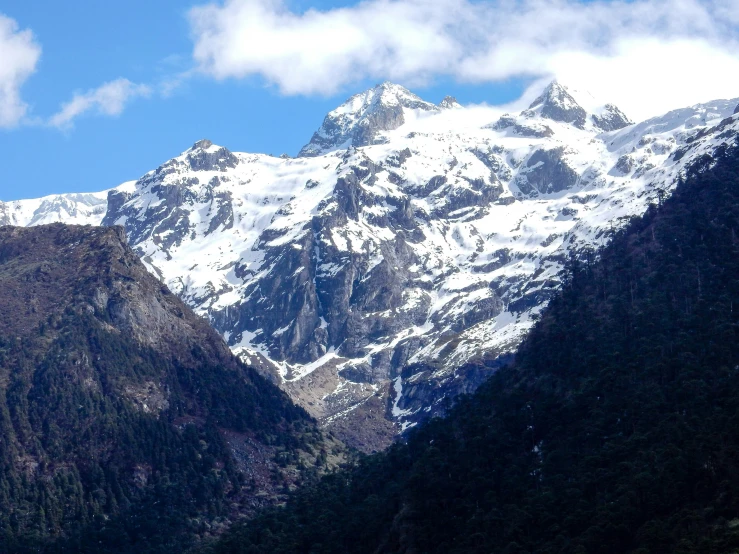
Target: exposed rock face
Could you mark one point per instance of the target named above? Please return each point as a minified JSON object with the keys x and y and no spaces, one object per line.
{"x":335,"y":274}
{"x":113,"y":389}
{"x":170,"y":216}
{"x":449,"y":103}
{"x":547,"y":172}
{"x":557,"y":104}
{"x":611,"y":119}
{"x":360,"y":121}
{"x":522,"y":129}
{"x":204,"y":156}
{"x":625,"y":164}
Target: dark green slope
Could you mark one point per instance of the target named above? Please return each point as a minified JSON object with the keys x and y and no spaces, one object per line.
{"x":126,"y":425}
{"x":617,"y":429}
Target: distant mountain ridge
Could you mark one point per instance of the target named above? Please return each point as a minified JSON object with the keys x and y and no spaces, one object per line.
{"x":405,"y":241}
{"x":84,"y":208}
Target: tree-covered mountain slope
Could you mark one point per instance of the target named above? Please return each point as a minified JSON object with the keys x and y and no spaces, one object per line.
{"x":615,"y":431}
{"x":126,"y":424}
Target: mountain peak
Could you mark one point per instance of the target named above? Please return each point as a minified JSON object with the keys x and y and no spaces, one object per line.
{"x":381,"y":95}
{"x":206,"y":156}
{"x":360,"y":120}
{"x":564,"y":104}
{"x":611,"y":118}
{"x":557,"y":104}
{"x":202,"y":144}
{"x":553,"y":92}
{"x":449,"y":103}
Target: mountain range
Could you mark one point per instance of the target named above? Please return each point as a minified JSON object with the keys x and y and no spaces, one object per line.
{"x":409,"y":247}
{"x":612,"y":432}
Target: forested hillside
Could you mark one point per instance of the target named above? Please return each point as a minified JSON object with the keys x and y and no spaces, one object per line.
{"x":126,"y":424}
{"x":615,"y":431}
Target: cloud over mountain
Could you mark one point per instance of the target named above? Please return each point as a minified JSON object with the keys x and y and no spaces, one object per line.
{"x":602,"y":46}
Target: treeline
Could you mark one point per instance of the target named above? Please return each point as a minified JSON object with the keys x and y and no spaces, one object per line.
{"x":615,"y":431}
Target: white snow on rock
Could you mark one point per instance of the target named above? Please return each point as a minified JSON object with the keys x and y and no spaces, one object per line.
{"x":406,"y":240}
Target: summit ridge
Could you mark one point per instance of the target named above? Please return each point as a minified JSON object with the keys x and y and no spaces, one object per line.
{"x":362,"y":118}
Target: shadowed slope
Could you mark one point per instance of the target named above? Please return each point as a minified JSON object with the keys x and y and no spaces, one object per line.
{"x":126,"y":424}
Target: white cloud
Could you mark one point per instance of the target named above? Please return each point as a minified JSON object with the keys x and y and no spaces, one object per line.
{"x":648,"y":77}
{"x":108,"y":99}
{"x":19,"y":54}
{"x":320,"y":52}
{"x":647,"y":55}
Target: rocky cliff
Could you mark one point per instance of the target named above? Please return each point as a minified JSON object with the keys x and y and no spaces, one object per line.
{"x":364,"y":275}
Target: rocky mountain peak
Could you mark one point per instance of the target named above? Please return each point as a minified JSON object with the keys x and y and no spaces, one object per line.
{"x":362,"y":118}
{"x":206,"y":156}
{"x":449,"y":103}
{"x":382,"y":96}
{"x":578,"y":108}
{"x":736,"y":110}
{"x":610,"y":118}
{"x":557,"y":104}
{"x":203,"y":143}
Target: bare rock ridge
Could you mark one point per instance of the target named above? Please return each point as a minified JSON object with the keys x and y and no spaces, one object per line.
{"x":204,"y":156}
{"x":374,"y":278}
{"x":112,"y":390}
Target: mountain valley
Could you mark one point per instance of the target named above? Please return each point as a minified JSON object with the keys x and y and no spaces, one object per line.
{"x":402,"y":257}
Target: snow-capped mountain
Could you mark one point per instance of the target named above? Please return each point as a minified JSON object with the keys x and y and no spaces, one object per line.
{"x":88,"y":208}
{"x":405,"y":241}
{"x":362,"y":119}
{"x":577,"y":108}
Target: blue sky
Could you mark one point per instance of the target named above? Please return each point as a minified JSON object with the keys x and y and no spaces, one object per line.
{"x":88,"y":42}
{"x":259,"y":75}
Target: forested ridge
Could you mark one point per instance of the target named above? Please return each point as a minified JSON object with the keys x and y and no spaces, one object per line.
{"x":126,"y":425}
{"x":616,"y":430}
